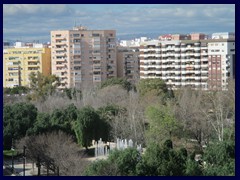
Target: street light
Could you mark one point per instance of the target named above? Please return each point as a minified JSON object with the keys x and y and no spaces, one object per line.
{"x":24,"y":159}
{"x":12,"y":149}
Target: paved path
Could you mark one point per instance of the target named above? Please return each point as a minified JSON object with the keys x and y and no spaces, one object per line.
{"x":18,"y":167}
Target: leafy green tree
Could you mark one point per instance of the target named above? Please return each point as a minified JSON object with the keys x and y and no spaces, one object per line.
{"x":17,"y":119}
{"x":41,"y":85}
{"x":162,"y":123}
{"x":122,"y":163}
{"x":193,"y":168}
{"x":102,"y":167}
{"x":117,"y":81}
{"x":89,"y":126}
{"x":59,"y":119}
{"x":41,"y":125}
{"x":155,"y":86}
{"x":162,"y":161}
{"x":16,"y":90}
{"x":220,"y":159}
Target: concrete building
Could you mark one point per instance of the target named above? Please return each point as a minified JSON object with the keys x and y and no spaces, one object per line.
{"x":194,"y":63}
{"x":135,"y":43}
{"x":128,"y":63}
{"x":19,"y":62}
{"x":82,"y":56}
{"x":221,"y":61}
{"x":223,"y":35}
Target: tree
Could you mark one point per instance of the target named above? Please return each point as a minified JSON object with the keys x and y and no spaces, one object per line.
{"x":156,"y":86}
{"x":220,"y":159}
{"x":16,"y":90}
{"x":17,"y":119}
{"x":73,"y":93}
{"x":41,"y":85}
{"x":219,"y":110}
{"x":119,"y":163}
{"x":55,"y":150}
{"x":162,"y":123}
{"x":59,"y":119}
{"x":89,"y":126}
{"x":188,"y":112}
{"x":41,"y":125}
{"x":162,"y":161}
{"x":117,"y":81}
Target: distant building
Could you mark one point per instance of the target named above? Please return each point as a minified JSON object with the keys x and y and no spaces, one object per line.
{"x":20,"y":61}
{"x":128,"y":63}
{"x":223,"y":35}
{"x":200,"y":63}
{"x":81,"y":56}
{"x":133,"y":43}
{"x":193,"y":36}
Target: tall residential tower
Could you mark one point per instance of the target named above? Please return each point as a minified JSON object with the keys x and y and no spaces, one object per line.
{"x":82,"y":56}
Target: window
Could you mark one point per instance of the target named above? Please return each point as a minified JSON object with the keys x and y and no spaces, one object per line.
{"x":76,"y":35}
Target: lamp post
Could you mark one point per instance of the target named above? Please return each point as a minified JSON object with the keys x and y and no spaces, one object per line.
{"x":24,"y":159}
{"x":12,"y":149}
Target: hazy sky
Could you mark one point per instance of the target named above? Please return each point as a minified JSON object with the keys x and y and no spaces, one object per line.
{"x":30,"y":22}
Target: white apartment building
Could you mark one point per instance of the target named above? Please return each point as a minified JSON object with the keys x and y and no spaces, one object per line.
{"x":182,"y":63}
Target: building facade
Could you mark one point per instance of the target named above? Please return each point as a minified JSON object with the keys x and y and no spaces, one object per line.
{"x":82,"y":56}
{"x":128,"y":63}
{"x":193,"y":63}
{"x":19,"y":62}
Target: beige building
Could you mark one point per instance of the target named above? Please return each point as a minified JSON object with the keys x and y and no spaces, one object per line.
{"x":82,"y":56}
{"x":20,"y":61}
{"x":128,"y":63}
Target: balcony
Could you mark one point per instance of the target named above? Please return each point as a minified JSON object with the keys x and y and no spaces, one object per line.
{"x":204,"y":65}
{"x":197,"y":48}
{"x":60,"y":42}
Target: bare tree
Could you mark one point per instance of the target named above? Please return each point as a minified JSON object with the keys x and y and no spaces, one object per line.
{"x":220,"y":111}
{"x":56,"y":151}
{"x":188,"y":111}
{"x":130,"y":124}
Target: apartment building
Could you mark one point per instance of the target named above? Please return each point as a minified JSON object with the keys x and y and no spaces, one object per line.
{"x":128,"y":63}
{"x":193,"y":63}
{"x":81,"y":56}
{"x":20,"y":61}
{"x":221,"y":61}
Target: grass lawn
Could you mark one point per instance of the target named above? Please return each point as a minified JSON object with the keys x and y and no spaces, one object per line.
{"x":8,"y":153}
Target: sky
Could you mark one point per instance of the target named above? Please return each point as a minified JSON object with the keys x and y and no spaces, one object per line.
{"x":29,"y":22}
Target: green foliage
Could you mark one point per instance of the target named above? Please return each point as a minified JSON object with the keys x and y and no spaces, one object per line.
{"x":126,"y":161}
{"x":89,"y":126}
{"x":117,"y":81}
{"x":162,"y":161}
{"x":101,"y":168}
{"x":17,"y":119}
{"x":110,"y":111}
{"x":220,"y":159}
{"x":16,"y":90}
{"x":121,"y":163}
{"x":60,"y":119}
{"x":155,"y":86}
{"x":162,"y":123}
{"x":41,"y":85}
{"x":193,"y":168}
{"x":41,"y":125}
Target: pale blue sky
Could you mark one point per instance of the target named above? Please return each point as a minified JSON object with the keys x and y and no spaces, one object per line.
{"x":35,"y":21}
